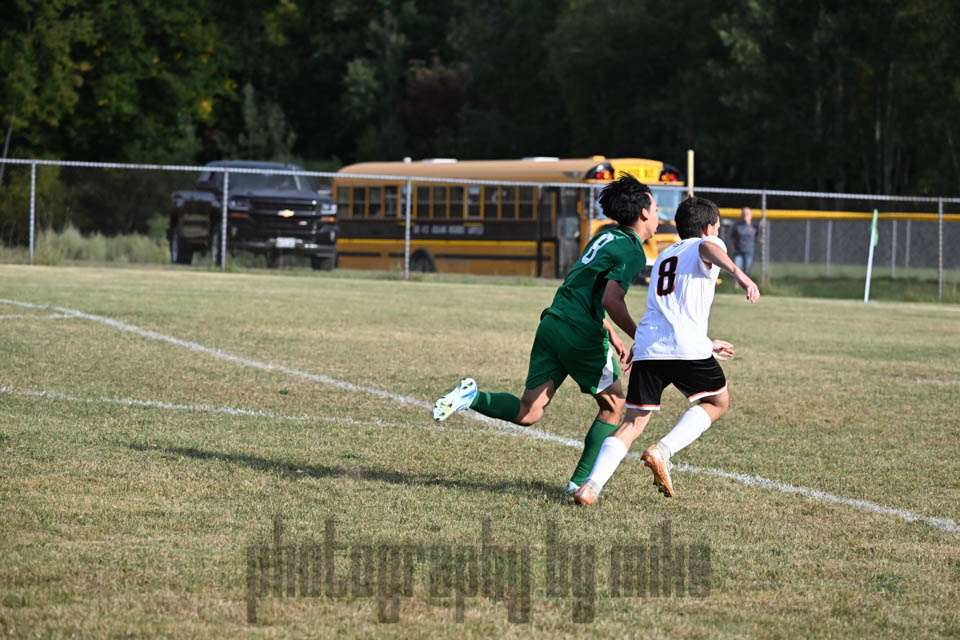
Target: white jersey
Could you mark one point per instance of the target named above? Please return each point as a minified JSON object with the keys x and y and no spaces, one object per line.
{"x":674,"y":326}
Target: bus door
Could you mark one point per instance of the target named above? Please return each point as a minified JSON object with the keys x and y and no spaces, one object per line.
{"x":568,"y":229}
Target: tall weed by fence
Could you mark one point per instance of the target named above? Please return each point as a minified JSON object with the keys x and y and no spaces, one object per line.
{"x":69,"y":245}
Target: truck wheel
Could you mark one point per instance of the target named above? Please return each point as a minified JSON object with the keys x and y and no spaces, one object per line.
{"x":180,"y":251}
{"x":324,"y":263}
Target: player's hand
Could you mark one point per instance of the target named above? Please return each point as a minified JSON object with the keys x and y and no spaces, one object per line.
{"x":722,"y":350}
{"x":753,"y":291}
{"x":618,"y":346}
{"x":628,"y":364}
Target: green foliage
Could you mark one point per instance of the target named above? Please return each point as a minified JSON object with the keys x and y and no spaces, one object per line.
{"x":513,"y":105}
{"x":855,"y":96}
{"x":50,"y":203}
{"x":434,"y":97}
{"x":620,"y":71}
{"x":41,"y":76}
{"x":849,"y":90}
{"x":266,"y":134}
{"x":118,"y":201}
{"x":156,"y":71}
{"x":69,"y":245}
{"x":157,"y":227}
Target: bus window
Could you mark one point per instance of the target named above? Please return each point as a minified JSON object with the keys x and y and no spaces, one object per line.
{"x":375,"y":208}
{"x":456,"y":202}
{"x":491,"y":202}
{"x":508,"y":207}
{"x":440,"y":202}
{"x":598,"y":211}
{"x":667,"y":202}
{"x":474,"y":200}
{"x":525,"y":201}
{"x":423,"y":202}
{"x":359,"y":202}
{"x":390,"y":202}
{"x":343,"y":201}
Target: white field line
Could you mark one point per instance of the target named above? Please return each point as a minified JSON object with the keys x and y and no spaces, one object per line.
{"x":133,"y":402}
{"x":27,"y":316}
{"x":935,"y":381}
{"x":945,"y":524}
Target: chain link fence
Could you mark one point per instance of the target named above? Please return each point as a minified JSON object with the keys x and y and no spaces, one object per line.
{"x":828,"y":236}
{"x":126,"y":210}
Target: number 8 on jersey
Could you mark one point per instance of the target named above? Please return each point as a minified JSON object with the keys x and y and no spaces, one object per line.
{"x":667,"y":276}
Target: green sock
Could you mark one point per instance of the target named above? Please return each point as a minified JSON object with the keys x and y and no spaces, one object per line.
{"x":496,"y":405}
{"x":599,"y":431}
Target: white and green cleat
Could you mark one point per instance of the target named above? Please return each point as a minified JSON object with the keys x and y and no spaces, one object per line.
{"x":457,"y":400}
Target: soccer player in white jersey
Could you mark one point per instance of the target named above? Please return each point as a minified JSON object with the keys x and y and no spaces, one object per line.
{"x":671,"y":346}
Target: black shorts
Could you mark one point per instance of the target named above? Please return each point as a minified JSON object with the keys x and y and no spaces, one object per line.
{"x":694,"y":378}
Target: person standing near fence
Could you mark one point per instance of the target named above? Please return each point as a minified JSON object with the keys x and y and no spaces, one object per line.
{"x":744,"y":238}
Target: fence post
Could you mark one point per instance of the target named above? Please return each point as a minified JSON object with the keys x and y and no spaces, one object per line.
{"x":806,"y":244}
{"x":940,"y":250}
{"x":406,"y":231}
{"x":33,"y":207}
{"x":829,"y":244}
{"x":223,"y":221}
{"x":765,"y":246}
{"x":906,"y":249}
{"x":893,"y":251}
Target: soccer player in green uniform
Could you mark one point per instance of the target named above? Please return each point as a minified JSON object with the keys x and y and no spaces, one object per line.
{"x":575,"y":337}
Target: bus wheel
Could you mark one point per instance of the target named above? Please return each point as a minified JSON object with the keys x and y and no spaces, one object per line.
{"x":324,"y":263}
{"x":422,"y":262}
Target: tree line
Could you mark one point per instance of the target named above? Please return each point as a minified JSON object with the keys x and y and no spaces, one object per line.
{"x":856,"y":95}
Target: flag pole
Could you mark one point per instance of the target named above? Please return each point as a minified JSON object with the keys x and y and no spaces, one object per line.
{"x":874,"y":236}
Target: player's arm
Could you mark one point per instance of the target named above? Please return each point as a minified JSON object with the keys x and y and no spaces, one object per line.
{"x":713,"y":254}
{"x":615,"y":341}
{"x":616,"y":306}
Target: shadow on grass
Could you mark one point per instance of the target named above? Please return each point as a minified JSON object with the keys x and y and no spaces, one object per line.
{"x":533,"y":489}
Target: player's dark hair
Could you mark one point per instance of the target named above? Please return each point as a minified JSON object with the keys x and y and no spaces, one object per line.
{"x":693,"y":215}
{"x":623,"y":199}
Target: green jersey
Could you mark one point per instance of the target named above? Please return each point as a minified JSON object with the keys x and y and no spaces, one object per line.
{"x":613,"y":254}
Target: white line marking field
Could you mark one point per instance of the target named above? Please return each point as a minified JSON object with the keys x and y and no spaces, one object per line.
{"x":944,"y":524}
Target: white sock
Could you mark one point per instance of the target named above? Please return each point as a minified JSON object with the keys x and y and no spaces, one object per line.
{"x":612,"y":451}
{"x":688,"y":428}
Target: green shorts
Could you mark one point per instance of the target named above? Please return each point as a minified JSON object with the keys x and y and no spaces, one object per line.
{"x":559,"y":351}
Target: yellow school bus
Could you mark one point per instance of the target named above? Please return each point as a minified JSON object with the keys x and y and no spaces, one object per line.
{"x":531,"y":216}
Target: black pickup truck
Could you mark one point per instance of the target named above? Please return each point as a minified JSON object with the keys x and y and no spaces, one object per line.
{"x":267,"y":213}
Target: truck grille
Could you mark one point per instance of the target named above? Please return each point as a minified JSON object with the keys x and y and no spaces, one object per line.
{"x":271,"y":207}
{"x":273,"y":225}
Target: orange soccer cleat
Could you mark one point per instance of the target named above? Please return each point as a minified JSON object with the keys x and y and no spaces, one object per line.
{"x":660,"y":466}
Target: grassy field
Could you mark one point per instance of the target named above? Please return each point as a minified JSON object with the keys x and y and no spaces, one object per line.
{"x":185,"y":417}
